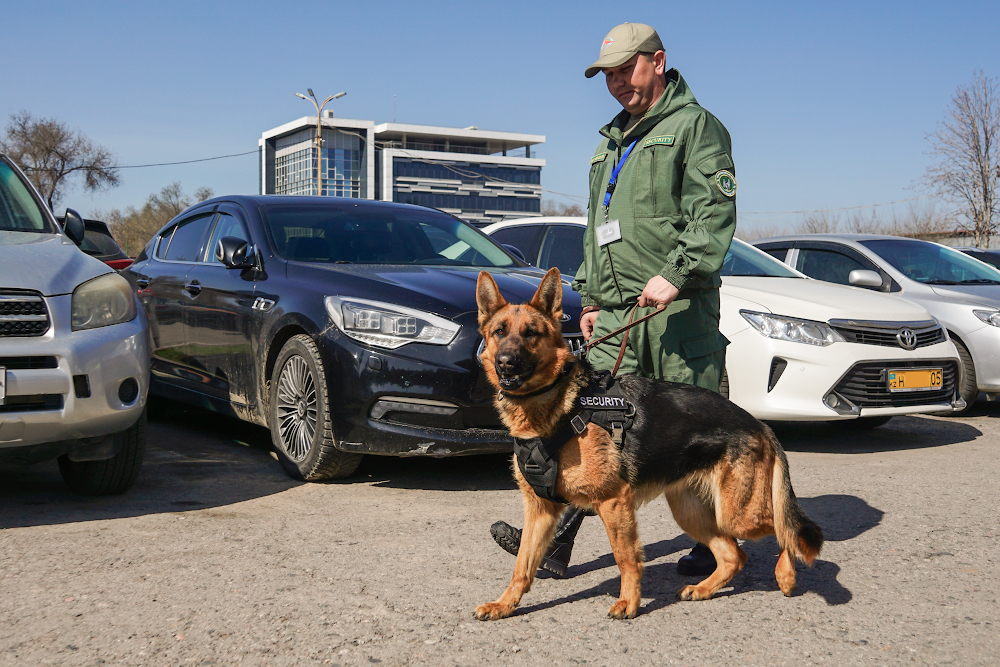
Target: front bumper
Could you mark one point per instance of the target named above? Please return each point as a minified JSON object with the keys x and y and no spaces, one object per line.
{"x":418,"y":400}
{"x":811,"y":373}
{"x":984,"y":346}
{"x":44,"y":405}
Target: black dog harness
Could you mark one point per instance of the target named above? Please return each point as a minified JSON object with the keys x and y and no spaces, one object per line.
{"x":603,"y":403}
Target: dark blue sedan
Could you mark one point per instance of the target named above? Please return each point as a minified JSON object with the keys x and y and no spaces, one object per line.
{"x":345,"y":326}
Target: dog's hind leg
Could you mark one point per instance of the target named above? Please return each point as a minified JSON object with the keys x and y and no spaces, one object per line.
{"x":540,"y":518}
{"x":618,"y":515}
{"x":696,"y":517}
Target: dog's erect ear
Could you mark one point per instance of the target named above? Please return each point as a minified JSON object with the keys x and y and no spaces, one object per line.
{"x":548,"y":297}
{"x":488,"y":297}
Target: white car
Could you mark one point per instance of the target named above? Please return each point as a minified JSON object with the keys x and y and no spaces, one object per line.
{"x":960,"y":292}
{"x":800,"y":349}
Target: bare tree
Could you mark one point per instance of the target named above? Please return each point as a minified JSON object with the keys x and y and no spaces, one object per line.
{"x":132,"y":227}
{"x":818,"y":223}
{"x":967,"y":149}
{"x":550,"y":207}
{"x":51,"y":154}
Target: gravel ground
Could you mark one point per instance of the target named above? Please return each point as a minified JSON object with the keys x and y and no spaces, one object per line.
{"x":215,"y":557}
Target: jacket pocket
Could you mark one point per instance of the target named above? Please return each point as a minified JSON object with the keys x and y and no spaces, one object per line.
{"x":704,"y":344}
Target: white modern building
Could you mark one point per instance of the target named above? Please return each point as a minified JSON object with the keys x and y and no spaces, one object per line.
{"x":482,"y":176}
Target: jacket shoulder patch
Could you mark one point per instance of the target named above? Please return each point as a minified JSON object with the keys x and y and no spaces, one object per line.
{"x":598,"y":158}
{"x":665,"y":140}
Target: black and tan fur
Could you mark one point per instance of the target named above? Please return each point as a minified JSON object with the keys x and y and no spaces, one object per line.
{"x":722,"y":472}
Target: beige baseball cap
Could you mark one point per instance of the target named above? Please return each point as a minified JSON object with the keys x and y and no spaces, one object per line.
{"x":623,"y":42}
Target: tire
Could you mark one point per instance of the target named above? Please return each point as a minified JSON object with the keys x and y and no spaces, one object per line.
{"x":724,"y":384}
{"x":969,"y":390}
{"x":110,"y":476}
{"x":864,"y":423}
{"x":299,"y":415}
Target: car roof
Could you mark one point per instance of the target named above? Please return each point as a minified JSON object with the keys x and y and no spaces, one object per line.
{"x":831,"y":237}
{"x":537,"y":220}
{"x":308,"y":200}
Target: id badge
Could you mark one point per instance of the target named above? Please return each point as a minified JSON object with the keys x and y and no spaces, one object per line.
{"x":609,"y":232}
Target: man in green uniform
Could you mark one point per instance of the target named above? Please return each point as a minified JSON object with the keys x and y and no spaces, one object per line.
{"x":661,"y":217}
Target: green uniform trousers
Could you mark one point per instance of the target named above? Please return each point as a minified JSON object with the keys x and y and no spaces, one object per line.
{"x":682,"y":344}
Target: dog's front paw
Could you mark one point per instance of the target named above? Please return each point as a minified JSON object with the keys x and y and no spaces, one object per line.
{"x":622,"y":609}
{"x":492,"y":611}
{"x":697,"y":592}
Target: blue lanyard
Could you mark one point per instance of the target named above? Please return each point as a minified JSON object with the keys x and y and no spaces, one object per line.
{"x":614,"y":175}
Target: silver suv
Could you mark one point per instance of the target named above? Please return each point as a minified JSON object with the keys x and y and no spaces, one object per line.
{"x":74,"y":349}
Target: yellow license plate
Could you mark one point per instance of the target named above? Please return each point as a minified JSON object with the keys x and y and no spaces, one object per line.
{"x":921,"y":379}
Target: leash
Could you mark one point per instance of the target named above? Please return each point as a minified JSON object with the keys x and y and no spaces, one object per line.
{"x":629,"y":325}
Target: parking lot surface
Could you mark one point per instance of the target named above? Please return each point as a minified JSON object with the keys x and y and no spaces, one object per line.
{"x":215,"y":557}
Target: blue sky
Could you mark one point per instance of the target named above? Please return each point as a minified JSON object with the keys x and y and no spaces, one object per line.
{"x":828,"y":103}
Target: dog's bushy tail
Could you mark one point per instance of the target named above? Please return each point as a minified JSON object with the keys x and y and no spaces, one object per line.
{"x":796,"y":532}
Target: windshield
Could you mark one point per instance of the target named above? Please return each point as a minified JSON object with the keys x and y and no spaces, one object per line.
{"x":745,"y":260}
{"x":374,"y":234}
{"x":19,"y":212}
{"x":932,"y":264}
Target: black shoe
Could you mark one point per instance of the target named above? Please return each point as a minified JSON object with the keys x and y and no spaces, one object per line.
{"x":699,"y":563}
{"x":556,"y":559}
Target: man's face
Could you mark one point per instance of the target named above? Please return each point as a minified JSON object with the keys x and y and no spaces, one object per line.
{"x":637,"y":83}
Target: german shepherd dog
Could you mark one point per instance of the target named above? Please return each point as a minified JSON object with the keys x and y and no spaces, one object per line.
{"x":722,"y":472}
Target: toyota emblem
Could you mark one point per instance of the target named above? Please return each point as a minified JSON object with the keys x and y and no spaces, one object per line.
{"x":907,"y":339}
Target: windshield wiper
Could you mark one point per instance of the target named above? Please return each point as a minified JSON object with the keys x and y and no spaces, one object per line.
{"x":940,"y":281}
{"x":980,"y":281}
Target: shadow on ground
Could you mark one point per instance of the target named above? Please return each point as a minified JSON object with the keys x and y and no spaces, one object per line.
{"x":194,"y":460}
{"x":900,"y":433}
{"x":842,"y":517}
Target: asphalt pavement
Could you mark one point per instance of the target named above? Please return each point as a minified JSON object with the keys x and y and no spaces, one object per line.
{"x":216,"y":557}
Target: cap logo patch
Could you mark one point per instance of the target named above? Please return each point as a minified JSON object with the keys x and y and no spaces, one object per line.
{"x":607,"y":42}
{"x":726,"y":183}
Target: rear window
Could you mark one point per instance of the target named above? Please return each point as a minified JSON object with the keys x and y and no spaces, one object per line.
{"x":372,"y":234}
{"x":96,"y":243}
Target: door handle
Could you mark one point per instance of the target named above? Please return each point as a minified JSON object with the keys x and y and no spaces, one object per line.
{"x":193,"y":288}
{"x":142,"y":282}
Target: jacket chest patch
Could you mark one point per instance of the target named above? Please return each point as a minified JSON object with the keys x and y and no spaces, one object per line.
{"x":665,"y":140}
{"x":598,"y":158}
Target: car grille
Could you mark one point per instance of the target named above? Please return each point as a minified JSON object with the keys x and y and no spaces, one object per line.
{"x":888,"y":334}
{"x":34,"y":403}
{"x":866,"y":386}
{"x":22,"y":314}
{"x":28,"y":363}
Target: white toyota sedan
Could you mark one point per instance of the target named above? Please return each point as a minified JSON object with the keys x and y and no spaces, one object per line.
{"x":800,"y":349}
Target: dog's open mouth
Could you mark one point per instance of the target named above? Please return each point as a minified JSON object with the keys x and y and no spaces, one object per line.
{"x":511,"y":381}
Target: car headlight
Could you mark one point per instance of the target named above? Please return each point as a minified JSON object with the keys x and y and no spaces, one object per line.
{"x":989,"y":316}
{"x":101,"y":302}
{"x":388,"y":325}
{"x":792,"y":329}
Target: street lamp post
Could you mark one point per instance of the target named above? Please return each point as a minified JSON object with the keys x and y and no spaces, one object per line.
{"x":319,"y":134}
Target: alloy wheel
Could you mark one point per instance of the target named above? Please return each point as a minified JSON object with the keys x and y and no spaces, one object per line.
{"x":296,"y":408}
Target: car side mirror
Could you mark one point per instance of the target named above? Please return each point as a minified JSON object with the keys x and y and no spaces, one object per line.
{"x":73,"y":226}
{"x":514,"y":251}
{"x":235,"y":253}
{"x":864,"y":278}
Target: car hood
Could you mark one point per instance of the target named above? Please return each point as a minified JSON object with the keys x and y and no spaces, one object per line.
{"x":48,"y":263}
{"x":820,"y":301}
{"x":445,"y":291}
{"x":986,"y":295}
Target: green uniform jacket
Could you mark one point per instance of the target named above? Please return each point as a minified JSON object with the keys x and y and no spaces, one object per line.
{"x":675,"y":200}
